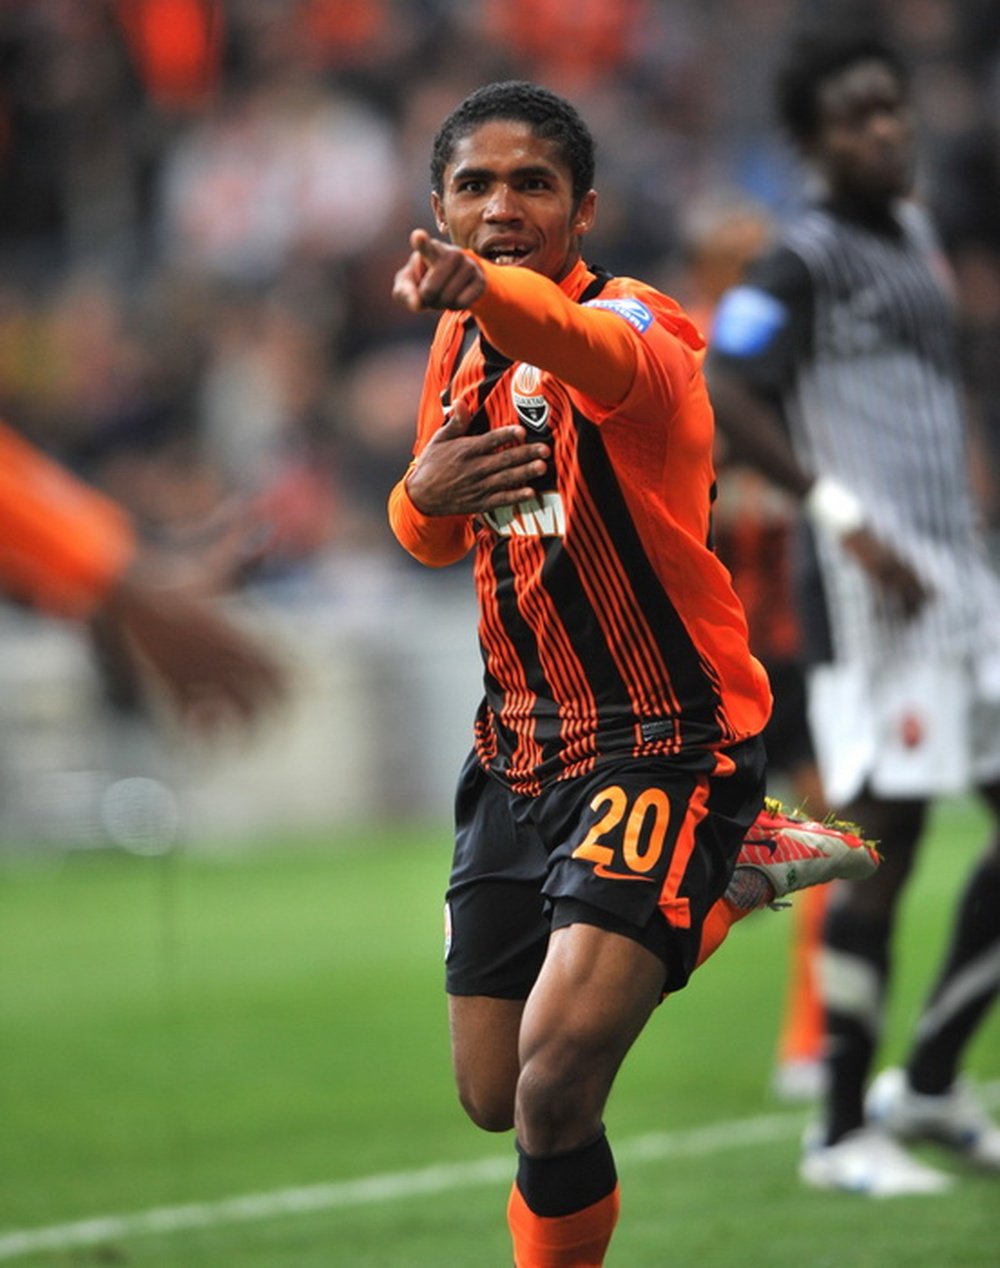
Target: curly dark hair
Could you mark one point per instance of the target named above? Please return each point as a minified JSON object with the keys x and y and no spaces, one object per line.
{"x":550,"y":116}
{"x":813,"y":58}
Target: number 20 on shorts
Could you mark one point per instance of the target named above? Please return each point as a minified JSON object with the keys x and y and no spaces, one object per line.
{"x":638,"y":829}
{"x":643,"y":823}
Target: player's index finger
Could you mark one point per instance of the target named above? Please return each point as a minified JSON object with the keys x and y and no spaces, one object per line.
{"x":422,"y":242}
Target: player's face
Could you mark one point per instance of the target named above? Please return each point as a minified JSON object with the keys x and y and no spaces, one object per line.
{"x":509,"y":197}
{"x":865,"y":139}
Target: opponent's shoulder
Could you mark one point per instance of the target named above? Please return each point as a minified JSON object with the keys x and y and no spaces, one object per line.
{"x":820,"y":240}
{"x":815,"y":229}
{"x":783,"y":271}
{"x":760,"y":318}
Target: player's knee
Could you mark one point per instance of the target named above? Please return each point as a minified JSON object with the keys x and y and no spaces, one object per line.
{"x":489,"y":1108}
{"x":560,"y":1098}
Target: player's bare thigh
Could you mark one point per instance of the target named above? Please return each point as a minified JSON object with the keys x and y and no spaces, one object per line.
{"x":484,"y":1053}
{"x":595,"y":993}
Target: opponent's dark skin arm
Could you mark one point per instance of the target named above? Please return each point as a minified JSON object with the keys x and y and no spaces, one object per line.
{"x":756,"y":436}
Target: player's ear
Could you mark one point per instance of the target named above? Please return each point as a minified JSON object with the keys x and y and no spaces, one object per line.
{"x":586,"y":212}
{"x":437,"y":206}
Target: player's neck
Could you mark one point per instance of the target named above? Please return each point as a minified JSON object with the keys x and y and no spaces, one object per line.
{"x":877,"y":214}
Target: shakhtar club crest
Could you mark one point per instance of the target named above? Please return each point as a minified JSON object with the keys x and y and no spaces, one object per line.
{"x":532,"y":407}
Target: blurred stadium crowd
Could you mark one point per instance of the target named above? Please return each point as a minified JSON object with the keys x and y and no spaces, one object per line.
{"x":202,"y":203}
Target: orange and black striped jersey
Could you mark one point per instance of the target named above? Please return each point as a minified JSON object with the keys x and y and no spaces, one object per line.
{"x":62,"y":543}
{"x":608,"y":626}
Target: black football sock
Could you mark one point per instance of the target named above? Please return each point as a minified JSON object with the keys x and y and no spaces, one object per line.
{"x":563,"y":1208}
{"x":967,"y":986}
{"x":563,"y":1183}
{"x":854,"y":973}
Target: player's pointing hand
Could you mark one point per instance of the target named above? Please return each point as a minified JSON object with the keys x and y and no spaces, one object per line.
{"x":437,"y":275}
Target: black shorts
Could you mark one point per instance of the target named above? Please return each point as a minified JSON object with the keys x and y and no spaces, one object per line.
{"x":642,"y":847}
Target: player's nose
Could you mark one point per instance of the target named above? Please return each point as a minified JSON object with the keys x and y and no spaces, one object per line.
{"x":503,"y":204}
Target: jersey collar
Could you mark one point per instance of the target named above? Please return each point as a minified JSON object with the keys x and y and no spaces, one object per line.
{"x":576,"y":280}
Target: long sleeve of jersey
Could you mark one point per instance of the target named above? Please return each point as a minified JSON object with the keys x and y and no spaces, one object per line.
{"x":528,"y":318}
{"x":593,"y":348}
{"x":62,"y":544}
{"x":436,"y":540}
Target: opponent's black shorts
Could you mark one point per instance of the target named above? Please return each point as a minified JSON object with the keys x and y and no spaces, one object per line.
{"x":787,"y":737}
{"x":642,"y":847}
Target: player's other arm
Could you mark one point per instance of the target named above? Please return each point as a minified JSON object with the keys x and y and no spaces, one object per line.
{"x":68,"y":550}
{"x":433,"y":540}
{"x":63,"y":546}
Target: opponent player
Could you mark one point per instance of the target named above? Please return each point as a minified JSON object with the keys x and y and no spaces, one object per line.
{"x":564,"y":433}
{"x":849,"y":324}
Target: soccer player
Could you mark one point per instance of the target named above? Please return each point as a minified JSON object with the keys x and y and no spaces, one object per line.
{"x":564,"y":434}
{"x":848,"y":326}
{"x":67,"y":550}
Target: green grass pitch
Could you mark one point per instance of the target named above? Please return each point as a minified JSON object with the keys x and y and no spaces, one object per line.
{"x":178,"y":1032}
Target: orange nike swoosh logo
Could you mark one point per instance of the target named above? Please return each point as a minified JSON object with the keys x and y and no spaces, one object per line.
{"x":600,"y":869}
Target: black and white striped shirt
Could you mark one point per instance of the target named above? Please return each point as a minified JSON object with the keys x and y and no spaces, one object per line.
{"x":850,"y":325}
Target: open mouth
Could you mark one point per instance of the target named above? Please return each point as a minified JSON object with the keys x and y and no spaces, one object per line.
{"x":505,"y":253}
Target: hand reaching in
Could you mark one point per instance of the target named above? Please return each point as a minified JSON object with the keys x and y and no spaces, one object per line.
{"x":891,"y":573}
{"x":211,"y":673}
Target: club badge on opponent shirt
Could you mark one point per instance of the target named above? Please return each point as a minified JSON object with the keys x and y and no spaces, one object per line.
{"x":532,"y":407}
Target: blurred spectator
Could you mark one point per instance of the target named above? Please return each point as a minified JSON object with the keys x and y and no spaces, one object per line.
{"x":376,"y":436}
{"x":177,"y":48}
{"x":275,"y":175}
{"x":569,"y":44}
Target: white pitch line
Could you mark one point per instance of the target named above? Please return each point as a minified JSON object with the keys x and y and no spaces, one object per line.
{"x":390,"y":1186}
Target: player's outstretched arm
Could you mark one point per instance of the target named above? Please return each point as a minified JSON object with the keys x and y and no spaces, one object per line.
{"x":526,"y":316}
